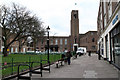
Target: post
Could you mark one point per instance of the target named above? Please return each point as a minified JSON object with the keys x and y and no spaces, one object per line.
{"x":48,"y":45}
{"x":12,"y":66}
{"x":29,"y":60}
{"x":48,"y":42}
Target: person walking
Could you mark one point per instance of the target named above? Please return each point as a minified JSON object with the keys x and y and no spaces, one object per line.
{"x":62,"y":56}
{"x":68,"y":55}
{"x":89,"y":53}
{"x":99,"y":56}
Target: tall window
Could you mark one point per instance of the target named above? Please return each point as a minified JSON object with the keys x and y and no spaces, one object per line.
{"x":93,"y":39}
{"x":41,"y":41}
{"x":101,"y":24}
{"x":109,"y":8}
{"x":65,"y":41}
{"x":56,"y":42}
{"x":51,"y":42}
{"x":60,"y":41}
{"x":104,"y":7}
{"x":93,"y":47}
{"x":104,"y":14}
{"x":105,"y":20}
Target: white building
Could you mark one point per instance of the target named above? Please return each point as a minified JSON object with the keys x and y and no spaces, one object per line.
{"x":108,"y":24}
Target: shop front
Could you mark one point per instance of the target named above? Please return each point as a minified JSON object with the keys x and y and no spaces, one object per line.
{"x":115,"y":46}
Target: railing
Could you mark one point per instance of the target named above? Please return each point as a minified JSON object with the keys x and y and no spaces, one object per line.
{"x":11,"y":62}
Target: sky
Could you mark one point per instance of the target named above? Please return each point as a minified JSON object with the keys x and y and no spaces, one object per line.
{"x":57,"y":13}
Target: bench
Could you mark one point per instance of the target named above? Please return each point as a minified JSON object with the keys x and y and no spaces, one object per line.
{"x":24,"y":77}
{"x":60,"y":62}
{"x":46,"y":67}
{"x":33,"y":71}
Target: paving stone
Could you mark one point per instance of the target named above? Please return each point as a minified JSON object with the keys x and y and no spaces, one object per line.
{"x":82,"y":67}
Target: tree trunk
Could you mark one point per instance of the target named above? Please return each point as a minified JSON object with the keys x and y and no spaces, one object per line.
{"x":34,"y":45}
{"x":5,"y":52}
{"x":19,"y":46}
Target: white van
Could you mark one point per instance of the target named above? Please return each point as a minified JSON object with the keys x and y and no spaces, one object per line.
{"x":81,"y":50}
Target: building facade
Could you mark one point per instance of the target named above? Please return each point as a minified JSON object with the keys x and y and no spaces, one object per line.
{"x":89,"y":40}
{"x":108,"y":27}
{"x":56,"y":43}
{"x":62,"y":43}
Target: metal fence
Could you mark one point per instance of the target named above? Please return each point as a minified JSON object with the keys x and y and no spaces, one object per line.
{"x":11,"y":62}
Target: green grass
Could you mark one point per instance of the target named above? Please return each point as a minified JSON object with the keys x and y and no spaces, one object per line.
{"x":15,"y":58}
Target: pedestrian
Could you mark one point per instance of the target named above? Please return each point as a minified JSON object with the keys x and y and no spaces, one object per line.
{"x":62,"y":56}
{"x":99,"y":56}
{"x":89,"y":53}
{"x":68,"y":55}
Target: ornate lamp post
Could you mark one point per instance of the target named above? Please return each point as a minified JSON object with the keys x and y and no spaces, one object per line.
{"x":48,"y":41}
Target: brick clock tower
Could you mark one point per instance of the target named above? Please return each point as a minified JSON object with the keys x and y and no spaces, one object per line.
{"x":74,"y":36}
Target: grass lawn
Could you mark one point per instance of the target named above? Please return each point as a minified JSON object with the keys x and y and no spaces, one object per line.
{"x":21,"y":58}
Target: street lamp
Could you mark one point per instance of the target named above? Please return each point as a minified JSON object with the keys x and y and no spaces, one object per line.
{"x":48,"y":41}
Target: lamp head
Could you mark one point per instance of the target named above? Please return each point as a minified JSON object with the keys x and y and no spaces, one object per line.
{"x":48,"y":28}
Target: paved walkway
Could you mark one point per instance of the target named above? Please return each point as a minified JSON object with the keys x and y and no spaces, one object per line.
{"x":82,"y":67}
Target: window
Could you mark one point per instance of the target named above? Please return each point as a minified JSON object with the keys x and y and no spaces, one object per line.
{"x":16,"y":50}
{"x":60,"y":41}
{"x":56,"y":42}
{"x":104,"y":14}
{"x":65,"y":41}
{"x":91,"y":33}
{"x":109,"y":8}
{"x":51,"y":42}
{"x":11,"y":50}
{"x":93,"y":40}
{"x":41,"y":41}
{"x":93,"y":47}
{"x":104,"y":7}
{"x":104,"y":20}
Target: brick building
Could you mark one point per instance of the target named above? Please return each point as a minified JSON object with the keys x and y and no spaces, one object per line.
{"x":57,"y":43}
{"x":62,"y":43}
{"x":108,"y":25}
{"x":89,"y":40}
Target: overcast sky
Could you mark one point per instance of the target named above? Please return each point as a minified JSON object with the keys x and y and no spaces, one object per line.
{"x":57,"y":13}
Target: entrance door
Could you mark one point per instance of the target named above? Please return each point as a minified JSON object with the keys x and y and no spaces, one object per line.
{"x":107,"y":49}
{"x":116,"y":44}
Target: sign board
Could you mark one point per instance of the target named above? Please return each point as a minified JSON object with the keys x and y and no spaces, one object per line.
{"x":7,"y":49}
{"x":115,"y":19}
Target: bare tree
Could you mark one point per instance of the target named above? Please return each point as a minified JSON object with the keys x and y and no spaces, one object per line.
{"x":37,"y":31}
{"x":17,"y":23}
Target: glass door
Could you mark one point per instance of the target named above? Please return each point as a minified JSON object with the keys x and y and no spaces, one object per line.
{"x":117,"y":49}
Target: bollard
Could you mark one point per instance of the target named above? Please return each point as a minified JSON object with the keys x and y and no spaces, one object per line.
{"x":12,"y":66}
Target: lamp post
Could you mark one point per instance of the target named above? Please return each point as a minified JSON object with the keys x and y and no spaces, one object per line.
{"x":48,"y":42}
{"x":75,"y":47}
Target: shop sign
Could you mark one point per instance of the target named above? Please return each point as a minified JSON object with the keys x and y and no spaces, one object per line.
{"x":114,"y":20}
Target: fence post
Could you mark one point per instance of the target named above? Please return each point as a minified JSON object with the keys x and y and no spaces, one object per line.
{"x":29,"y":60}
{"x":12,"y":66}
{"x":55,"y":56}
